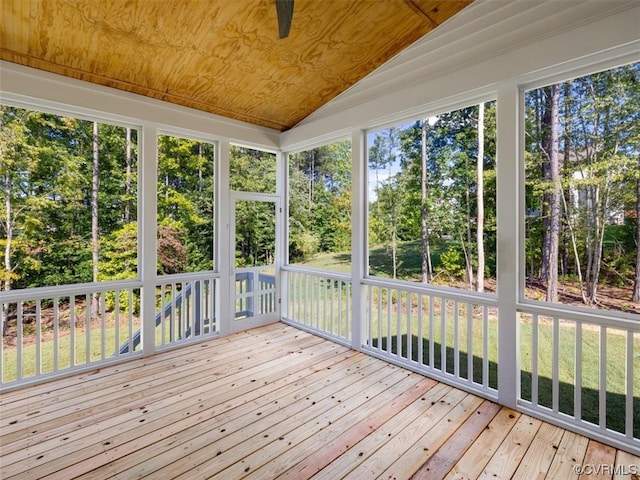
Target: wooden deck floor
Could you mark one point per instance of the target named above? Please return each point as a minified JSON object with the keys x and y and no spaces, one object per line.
{"x":276,"y":402}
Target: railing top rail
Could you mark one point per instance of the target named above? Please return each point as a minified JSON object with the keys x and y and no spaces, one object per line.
{"x":488,"y":299}
{"x":67,"y":290}
{"x":255,"y":269}
{"x":606,"y":318}
{"x":187,"y":277}
{"x":319,"y":272}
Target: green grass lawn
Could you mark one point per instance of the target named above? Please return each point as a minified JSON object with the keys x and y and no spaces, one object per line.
{"x":111,"y":341}
{"x":337,"y":262}
{"x":395,"y":330}
{"x":408,"y":254}
{"x":408,"y":259}
{"x":615,"y":371}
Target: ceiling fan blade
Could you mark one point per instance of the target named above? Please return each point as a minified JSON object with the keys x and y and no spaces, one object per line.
{"x":285,"y":14}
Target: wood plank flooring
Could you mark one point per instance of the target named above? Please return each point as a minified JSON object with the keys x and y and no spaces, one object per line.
{"x":277,"y":402}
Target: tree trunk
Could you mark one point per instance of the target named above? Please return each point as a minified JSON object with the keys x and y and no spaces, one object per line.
{"x":394,"y":250}
{"x":166,"y":185}
{"x":7,"y":249}
{"x":394,"y":214}
{"x":127,"y":180}
{"x":597,"y":202}
{"x":424,"y":230}
{"x":200,"y":175}
{"x":590,"y":222}
{"x":554,"y":206}
{"x":567,"y":213}
{"x":480,"y":201}
{"x":95,"y":185}
{"x":545,"y":128}
{"x":636,"y":283}
{"x":565,"y":192}
{"x":551,"y":198}
{"x":468,"y":254}
{"x":600,"y":214}
{"x":311,"y":180}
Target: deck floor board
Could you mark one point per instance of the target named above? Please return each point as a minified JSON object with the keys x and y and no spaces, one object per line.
{"x":274,"y":402}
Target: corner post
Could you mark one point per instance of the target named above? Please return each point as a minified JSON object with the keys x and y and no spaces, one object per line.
{"x":358,"y":238}
{"x":224,"y":248}
{"x":510,"y":239}
{"x":148,"y":234}
{"x":282,"y":252}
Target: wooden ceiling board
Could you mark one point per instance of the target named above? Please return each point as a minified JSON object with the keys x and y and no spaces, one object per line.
{"x":15,"y":21}
{"x":220,"y":56}
{"x":439,"y":11}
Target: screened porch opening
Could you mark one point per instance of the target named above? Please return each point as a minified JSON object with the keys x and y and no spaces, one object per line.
{"x":425,"y":268}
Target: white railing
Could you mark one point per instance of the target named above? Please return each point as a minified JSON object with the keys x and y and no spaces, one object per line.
{"x":60,"y":329}
{"x":450,"y":334}
{"x":319,"y":301}
{"x":186,"y":308}
{"x":582,"y":370}
{"x":255,"y":292}
{"x":578,"y":368}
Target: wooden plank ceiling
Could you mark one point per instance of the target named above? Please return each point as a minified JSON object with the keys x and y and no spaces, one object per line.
{"x":219,"y":56}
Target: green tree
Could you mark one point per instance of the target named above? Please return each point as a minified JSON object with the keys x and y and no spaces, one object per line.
{"x":551,"y":213}
{"x":604,"y":122}
{"x":427,"y":268}
{"x":16,"y":165}
{"x":320,"y":200}
{"x":48,"y":170}
{"x":95,"y":234}
{"x":480,"y":200}
{"x":575,"y":199}
{"x":185,"y":205}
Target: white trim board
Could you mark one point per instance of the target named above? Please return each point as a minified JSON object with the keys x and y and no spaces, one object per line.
{"x":31,"y":88}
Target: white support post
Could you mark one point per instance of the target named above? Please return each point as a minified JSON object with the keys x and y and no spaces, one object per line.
{"x":225,"y":305}
{"x":148,"y":234}
{"x":358,"y":238}
{"x":282,"y":254}
{"x":508,"y":169}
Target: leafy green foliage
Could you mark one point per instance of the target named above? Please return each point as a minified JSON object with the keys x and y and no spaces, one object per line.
{"x":599,"y":125}
{"x":320,"y":201}
{"x":453,"y":263}
{"x":45,"y":177}
{"x":252,"y":170}
{"x":395,"y":176}
{"x":255,"y":233}
{"x":119,"y":258}
{"x":186,"y":185}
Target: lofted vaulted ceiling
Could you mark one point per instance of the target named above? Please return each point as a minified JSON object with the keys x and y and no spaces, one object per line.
{"x":219,"y":56}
